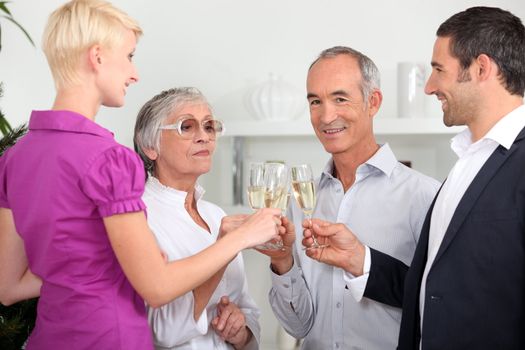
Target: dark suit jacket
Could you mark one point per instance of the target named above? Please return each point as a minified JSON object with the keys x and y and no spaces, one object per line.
{"x":475,"y":290}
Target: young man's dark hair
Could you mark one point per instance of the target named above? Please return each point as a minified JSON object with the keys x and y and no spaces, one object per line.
{"x":494,"y":32}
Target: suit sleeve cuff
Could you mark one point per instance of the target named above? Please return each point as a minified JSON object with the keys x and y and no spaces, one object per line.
{"x":357,"y":285}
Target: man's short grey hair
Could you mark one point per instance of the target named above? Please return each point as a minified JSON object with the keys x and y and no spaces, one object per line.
{"x":371,"y":79}
{"x":154,"y":114}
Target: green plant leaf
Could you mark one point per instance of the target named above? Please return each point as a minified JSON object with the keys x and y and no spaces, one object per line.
{"x":5,"y":128}
{"x":21,"y":28}
{"x":11,"y":137}
{"x":4,"y":8}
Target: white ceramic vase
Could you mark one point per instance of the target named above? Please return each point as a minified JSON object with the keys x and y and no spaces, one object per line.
{"x":275,"y":100}
{"x":410,"y":90}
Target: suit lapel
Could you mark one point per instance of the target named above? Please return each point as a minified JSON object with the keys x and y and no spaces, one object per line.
{"x":480,"y":181}
{"x":420,"y":255}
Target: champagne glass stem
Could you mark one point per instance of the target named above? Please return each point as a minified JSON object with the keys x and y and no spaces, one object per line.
{"x":315,"y":243}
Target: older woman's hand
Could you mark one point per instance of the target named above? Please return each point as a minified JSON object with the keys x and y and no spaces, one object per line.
{"x":231,"y":222}
{"x":282,"y":260}
{"x":230,"y":324}
{"x":287,"y":233}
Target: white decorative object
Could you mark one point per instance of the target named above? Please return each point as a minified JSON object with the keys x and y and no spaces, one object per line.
{"x":276,"y":99}
{"x":410,"y":90}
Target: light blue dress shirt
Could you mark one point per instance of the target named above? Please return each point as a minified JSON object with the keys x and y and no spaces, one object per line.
{"x":385,"y":208}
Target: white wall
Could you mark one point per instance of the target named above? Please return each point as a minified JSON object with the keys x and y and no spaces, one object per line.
{"x":225,"y":47}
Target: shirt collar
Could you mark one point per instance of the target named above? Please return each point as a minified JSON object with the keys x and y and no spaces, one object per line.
{"x":504,"y":132}
{"x":507,"y":128}
{"x":66,"y":121}
{"x":383,"y":160}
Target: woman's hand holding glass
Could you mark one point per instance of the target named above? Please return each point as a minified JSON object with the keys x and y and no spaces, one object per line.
{"x":283,"y":257}
{"x":269,"y":188}
{"x":263,"y":226}
{"x":230,"y":223}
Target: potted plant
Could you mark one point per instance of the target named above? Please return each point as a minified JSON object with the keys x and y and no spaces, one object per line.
{"x":5,"y":14}
{"x":18,"y":320}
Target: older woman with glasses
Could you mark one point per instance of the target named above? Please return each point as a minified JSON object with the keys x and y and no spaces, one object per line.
{"x":175,"y":135}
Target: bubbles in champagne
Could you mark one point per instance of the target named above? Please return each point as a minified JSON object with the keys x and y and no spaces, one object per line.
{"x":273,"y":198}
{"x":284,"y":202}
{"x":256,"y":196}
{"x":304,"y":193}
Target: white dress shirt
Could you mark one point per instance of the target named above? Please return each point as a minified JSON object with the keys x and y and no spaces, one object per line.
{"x":471,"y":156}
{"x":385,"y":208}
{"x":173,"y":325}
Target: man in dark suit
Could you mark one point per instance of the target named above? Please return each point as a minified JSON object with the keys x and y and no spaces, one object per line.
{"x":465,"y":288}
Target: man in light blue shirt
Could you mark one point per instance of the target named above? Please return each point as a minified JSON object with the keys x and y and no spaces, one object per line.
{"x":364,"y":187}
{"x":464,"y":288}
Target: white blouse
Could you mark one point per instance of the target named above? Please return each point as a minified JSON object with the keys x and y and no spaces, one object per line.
{"x":179,"y":236}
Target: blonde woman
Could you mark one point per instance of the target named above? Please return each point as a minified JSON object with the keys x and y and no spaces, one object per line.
{"x":72,"y":222}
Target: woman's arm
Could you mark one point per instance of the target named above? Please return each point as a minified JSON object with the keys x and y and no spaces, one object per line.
{"x":159,"y":282}
{"x":16,"y":280}
{"x":203,"y":293}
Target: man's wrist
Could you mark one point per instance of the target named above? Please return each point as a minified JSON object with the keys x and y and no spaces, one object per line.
{"x":282,"y":266}
{"x":356,"y":260}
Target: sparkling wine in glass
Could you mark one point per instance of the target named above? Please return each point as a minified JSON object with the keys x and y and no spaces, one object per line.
{"x":304,"y":193}
{"x":264,"y":192}
{"x":256,"y":187}
{"x":277,"y":184}
{"x":284,"y":202}
{"x":284,"y":198}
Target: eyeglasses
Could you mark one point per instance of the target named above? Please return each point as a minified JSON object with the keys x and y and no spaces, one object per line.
{"x":188,"y":127}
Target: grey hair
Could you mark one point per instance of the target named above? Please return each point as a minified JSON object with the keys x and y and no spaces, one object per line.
{"x":371,"y":79}
{"x":154,"y":114}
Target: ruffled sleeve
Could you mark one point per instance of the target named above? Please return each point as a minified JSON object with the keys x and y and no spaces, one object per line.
{"x":115,"y":182}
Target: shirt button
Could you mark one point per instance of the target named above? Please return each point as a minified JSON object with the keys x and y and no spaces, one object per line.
{"x":435,"y":298}
{"x":338,"y":305}
{"x":286,"y":285}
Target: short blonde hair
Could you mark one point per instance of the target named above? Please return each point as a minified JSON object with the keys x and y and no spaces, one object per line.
{"x":76,"y":26}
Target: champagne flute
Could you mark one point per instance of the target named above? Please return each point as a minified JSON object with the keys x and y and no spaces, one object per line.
{"x":284,"y":201}
{"x":260,"y":197}
{"x":304,"y":193}
{"x":256,"y":187}
{"x":276,"y":180}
